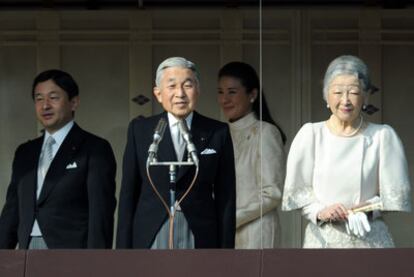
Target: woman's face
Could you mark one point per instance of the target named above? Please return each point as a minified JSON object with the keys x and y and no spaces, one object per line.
{"x":345,"y":97}
{"x":234,"y":99}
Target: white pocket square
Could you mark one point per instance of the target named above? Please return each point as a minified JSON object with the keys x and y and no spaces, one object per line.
{"x":72,"y":166}
{"x":208,"y":151}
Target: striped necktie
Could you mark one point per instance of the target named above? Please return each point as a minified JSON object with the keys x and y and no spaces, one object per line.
{"x":45,"y":160}
{"x":179,"y":143}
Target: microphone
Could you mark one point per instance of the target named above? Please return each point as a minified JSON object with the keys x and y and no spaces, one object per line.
{"x":157,"y":137}
{"x":191,"y":149}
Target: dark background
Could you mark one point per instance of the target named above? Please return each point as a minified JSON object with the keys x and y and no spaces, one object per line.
{"x":142,"y":4}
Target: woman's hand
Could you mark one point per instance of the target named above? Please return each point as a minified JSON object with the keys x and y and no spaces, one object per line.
{"x":334,"y":212}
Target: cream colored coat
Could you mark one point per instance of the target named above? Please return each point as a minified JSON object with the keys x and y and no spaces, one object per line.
{"x":260,"y":170}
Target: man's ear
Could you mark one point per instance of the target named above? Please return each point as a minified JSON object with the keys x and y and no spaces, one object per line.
{"x":75,"y":102}
{"x":157,"y":94}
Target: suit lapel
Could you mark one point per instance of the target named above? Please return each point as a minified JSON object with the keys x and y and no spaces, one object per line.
{"x":166,"y":151}
{"x":63,"y":157}
{"x":34,"y":160}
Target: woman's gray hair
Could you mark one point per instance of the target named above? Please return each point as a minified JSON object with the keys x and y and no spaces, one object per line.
{"x":175,"y":62}
{"x":351,"y":65}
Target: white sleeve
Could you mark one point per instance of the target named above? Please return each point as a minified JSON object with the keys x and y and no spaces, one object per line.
{"x":270,"y":176}
{"x":310,"y":211}
{"x":298,"y":188}
{"x":393,"y":173}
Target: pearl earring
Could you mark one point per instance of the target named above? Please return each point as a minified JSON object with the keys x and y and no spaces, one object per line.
{"x":327,"y":106}
{"x":364,"y":107}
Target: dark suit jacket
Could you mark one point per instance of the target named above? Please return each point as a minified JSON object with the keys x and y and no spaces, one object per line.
{"x":76,"y":206}
{"x":210,"y":206}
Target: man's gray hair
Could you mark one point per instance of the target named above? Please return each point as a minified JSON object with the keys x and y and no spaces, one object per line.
{"x":350,"y":65}
{"x":175,"y":62}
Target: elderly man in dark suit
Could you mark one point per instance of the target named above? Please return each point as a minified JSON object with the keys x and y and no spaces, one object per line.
{"x":206,"y":216}
{"x":62,"y":190}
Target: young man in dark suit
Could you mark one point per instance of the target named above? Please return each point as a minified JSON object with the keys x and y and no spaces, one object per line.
{"x":62,"y":190}
{"x":206,"y":216}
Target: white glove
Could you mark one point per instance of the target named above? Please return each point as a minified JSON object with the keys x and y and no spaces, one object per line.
{"x":358,"y":224}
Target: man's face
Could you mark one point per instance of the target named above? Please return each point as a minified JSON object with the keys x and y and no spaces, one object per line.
{"x":52,"y":105}
{"x":178,"y":91}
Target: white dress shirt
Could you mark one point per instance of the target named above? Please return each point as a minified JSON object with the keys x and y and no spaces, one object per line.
{"x":174,"y":129}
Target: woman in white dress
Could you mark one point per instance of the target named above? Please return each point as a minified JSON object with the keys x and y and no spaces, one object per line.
{"x":344,"y":163}
{"x":259,"y":157}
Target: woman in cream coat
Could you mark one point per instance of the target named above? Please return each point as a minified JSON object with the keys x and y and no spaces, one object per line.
{"x":259,"y":157}
{"x":345,"y":163}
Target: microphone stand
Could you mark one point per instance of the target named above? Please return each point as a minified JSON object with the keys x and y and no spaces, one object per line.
{"x":172,"y":165}
{"x":173,"y":177}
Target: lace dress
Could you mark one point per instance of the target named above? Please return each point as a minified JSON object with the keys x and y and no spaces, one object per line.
{"x":324,"y":169}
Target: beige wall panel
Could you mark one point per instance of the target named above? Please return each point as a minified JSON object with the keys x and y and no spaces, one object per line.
{"x":105,"y":21}
{"x":17,"y":117}
{"x":186,"y":19}
{"x":102,"y":75}
{"x":11,"y":21}
{"x":277,"y":85}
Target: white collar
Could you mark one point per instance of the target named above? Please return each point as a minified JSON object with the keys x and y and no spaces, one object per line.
{"x":172,"y":120}
{"x":60,"y":134}
{"x":244,"y":122}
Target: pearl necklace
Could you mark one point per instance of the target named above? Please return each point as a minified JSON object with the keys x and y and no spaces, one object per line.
{"x":355,"y":131}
